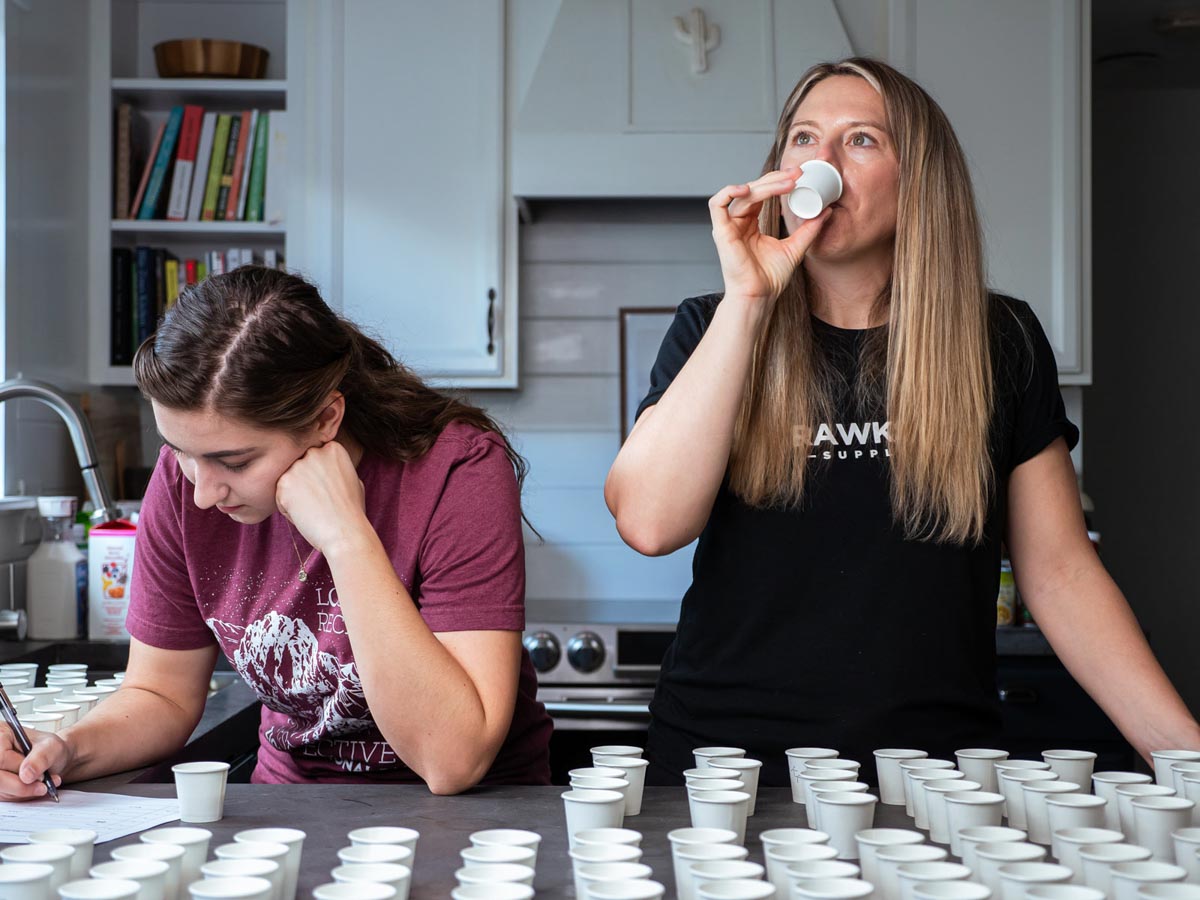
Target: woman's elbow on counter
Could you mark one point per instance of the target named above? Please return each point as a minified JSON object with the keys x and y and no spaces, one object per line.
{"x":446,"y":781}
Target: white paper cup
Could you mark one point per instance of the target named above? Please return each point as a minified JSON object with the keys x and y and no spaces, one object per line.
{"x":392,"y":874}
{"x":833,"y":889}
{"x":801,"y":873}
{"x":367,"y":890}
{"x":936,"y":792}
{"x":1105,"y":784}
{"x":696,"y":776}
{"x":596,"y":772}
{"x":889,"y":859}
{"x":634,"y":768}
{"x":910,"y":875}
{"x":598,"y":873}
{"x":22,"y":704}
{"x":920,"y":799}
{"x":200,"y":787}
{"x":244,"y":868}
{"x":682,"y":838}
{"x":590,"y":854}
{"x":1063,"y":892}
{"x":194,"y":842}
{"x":57,"y":856}
{"x":1164,"y":759}
{"x":871,"y":840}
{"x":242,"y":888}
{"x":593,"y":836}
{"x":990,"y":858}
{"x":477,"y":856}
{"x":954,"y":890}
{"x":685,"y":855}
{"x":1011,"y":786}
{"x":816,"y":788}
{"x":1098,"y":859}
{"x":1156,"y":818}
{"x":83,"y":840}
{"x":398,"y":853}
{"x":735,"y":889}
{"x":626,"y":890}
{"x":887,"y":767}
{"x":705,"y":873}
{"x":1187,"y":848}
{"x":843,"y":815}
{"x":1017,"y":878}
{"x":293,"y":839}
{"x":245,"y":849}
{"x":150,"y":874}
{"x":970,"y":809}
{"x":171,"y":854}
{"x":1037,"y":818}
{"x":810,"y":777}
{"x":1179,"y":771}
{"x":787,"y":837}
{"x":598,"y":783}
{"x":98,"y":889}
{"x":1066,"y":843}
{"x":797,"y":757}
{"x":68,"y":711}
{"x":779,"y":858}
{"x":846,"y":765}
{"x":99,"y":691}
{"x":508,"y":837}
{"x":48,"y":723}
{"x":26,"y":881}
{"x":592,"y":809}
{"x":979,"y":764}
{"x":1067,"y":811}
{"x":85,"y":702}
{"x":408,"y":837}
{"x":1128,"y":877}
{"x":972,"y":837}
{"x":1126,"y":794}
{"x":1166,"y":890}
{"x":617,"y":750}
{"x":747,"y":770}
{"x":1071,"y":765}
{"x":1008,"y":765}
{"x":819,"y":185}
{"x":913,"y":765}
{"x":721,"y":809}
{"x":705,"y":755}
{"x":45,"y":694}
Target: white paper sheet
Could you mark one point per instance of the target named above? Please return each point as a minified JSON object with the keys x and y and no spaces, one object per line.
{"x":111,"y":816}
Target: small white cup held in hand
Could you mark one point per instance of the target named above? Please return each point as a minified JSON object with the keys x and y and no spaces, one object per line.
{"x":200,"y":787}
{"x":819,"y":185}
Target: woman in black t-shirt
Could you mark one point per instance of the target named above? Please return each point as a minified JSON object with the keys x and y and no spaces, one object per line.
{"x":851,"y":429}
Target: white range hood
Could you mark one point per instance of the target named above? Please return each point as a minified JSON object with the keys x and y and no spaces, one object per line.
{"x":607,"y":98}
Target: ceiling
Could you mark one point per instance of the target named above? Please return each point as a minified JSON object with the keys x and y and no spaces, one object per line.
{"x":1129,"y":52}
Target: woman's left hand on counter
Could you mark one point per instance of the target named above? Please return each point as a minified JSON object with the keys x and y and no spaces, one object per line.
{"x":321,"y":495}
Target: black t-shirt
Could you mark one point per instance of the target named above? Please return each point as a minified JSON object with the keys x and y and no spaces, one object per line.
{"x":823,"y":626}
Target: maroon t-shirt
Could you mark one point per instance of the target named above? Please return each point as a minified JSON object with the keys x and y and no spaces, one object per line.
{"x":451,"y":524}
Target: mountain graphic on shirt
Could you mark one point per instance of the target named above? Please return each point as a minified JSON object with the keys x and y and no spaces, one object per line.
{"x":281,"y":659}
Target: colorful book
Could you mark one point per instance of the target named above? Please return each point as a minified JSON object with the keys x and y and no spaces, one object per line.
{"x":236,"y":130}
{"x":201,"y":270}
{"x":120,"y":351}
{"x":162,"y":165}
{"x":241,"y":172}
{"x":123,"y":160}
{"x":200,"y":173}
{"x":141,"y":191}
{"x":275,"y":192}
{"x":189,"y":272}
{"x":172,"y":272}
{"x":160,"y":285}
{"x":258,"y":169}
{"x":145,"y":294}
{"x":215,"y":166}
{"x":185,"y":163}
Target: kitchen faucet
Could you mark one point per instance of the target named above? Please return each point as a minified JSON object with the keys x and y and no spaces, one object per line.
{"x":81,"y":437}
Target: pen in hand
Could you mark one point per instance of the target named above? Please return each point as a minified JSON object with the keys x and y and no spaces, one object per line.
{"x":10,"y":716}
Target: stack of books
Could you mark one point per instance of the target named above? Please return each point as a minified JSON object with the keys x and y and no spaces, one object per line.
{"x":203,"y":166}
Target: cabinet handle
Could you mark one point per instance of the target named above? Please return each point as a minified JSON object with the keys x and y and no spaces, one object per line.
{"x":491,"y":322}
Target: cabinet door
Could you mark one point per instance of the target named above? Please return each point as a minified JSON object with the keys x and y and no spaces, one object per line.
{"x":1012,"y":80}
{"x":419,"y":167}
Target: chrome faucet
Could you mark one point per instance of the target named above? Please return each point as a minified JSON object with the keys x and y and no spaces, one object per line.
{"x":81,"y":437}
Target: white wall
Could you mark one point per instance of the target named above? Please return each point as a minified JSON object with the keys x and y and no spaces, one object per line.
{"x":1142,"y":428}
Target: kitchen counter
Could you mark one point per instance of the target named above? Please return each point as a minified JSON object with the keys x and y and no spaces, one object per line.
{"x":328,"y":812}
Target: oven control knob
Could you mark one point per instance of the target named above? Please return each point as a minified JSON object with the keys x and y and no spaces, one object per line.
{"x":543,"y":649}
{"x":585,"y":651}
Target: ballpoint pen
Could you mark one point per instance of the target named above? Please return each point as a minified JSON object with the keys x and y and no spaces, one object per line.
{"x":10,"y":716}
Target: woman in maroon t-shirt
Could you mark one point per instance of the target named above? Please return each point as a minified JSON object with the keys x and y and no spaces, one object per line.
{"x":348,"y":537}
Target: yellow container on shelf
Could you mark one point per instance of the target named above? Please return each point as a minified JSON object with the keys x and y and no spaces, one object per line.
{"x":1006,"y":599}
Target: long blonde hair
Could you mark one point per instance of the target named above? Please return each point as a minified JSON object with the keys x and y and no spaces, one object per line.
{"x":930,"y":369}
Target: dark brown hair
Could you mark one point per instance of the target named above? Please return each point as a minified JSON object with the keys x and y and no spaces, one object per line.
{"x":261,"y":346}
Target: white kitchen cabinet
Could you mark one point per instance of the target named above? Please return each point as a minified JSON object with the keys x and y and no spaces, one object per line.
{"x":407,"y":225}
{"x":607,"y":100}
{"x":1014,"y":79}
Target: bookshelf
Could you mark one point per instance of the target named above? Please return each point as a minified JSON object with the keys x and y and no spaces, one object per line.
{"x":122,"y":70}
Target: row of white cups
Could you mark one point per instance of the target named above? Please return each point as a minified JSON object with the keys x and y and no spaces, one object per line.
{"x":173,"y":864}
{"x":63,"y":700}
{"x":1117,"y":835}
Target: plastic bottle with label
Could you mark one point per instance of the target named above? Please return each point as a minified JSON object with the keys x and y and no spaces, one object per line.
{"x":53,"y":574}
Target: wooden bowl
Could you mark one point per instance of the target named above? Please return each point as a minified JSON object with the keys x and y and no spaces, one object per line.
{"x":209,"y":58}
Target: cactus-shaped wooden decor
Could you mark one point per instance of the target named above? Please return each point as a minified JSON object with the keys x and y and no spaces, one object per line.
{"x":700,"y":36}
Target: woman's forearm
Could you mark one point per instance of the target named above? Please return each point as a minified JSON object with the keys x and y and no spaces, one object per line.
{"x":662,"y":485}
{"x":424,"y":703}
{"x":1093,"y":631}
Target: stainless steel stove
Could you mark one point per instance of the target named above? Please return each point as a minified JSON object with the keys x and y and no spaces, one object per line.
{"x":597,"y":677}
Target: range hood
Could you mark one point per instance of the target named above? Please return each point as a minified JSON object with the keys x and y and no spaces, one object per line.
{"x":648,"y":98}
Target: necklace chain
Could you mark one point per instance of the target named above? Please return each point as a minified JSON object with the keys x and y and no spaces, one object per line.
{"x":302,"y":575}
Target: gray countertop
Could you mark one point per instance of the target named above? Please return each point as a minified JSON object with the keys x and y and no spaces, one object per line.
{"x":328,"y":812}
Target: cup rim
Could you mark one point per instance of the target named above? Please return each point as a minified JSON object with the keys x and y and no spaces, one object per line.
{"x":840,"y":888}
{"x":1044,"y":785}
{"x":727,"y":798}
{"x":681,"y":835}
{"x":595,"y":796}
{"x":982,"y":753}
{"x":1177,"y":755}
{"x":872,"y":835}
{"x":19,"y":872}
{"x":119,"y":885}
{"x":811,"y":753}
{"x":200,"y":768}
{"x":172,"y":851}
{"x":1022,"y":871}
{"x":405,"y":834}
{"x":896,"y":753}
{"x":727,"y":762}
{"x":724,"y":751}
{"x":617,"y":750}
{"x":85,"y":835}
{"x":189,"y":835}
{"x":150,"y":867}
{"x":952,"y":785}
{"x":621,"y":762}
{"x":730,"y":851}
{"x":774,"y":836}
{"x":975,"y":798}
{"x":847,"y":798}
{"x":1103,"y":853}
{"x":255,"y":862}
{"x":46,"y":851}
{"x":1078,"y":800}
{"x":580,"y":852}
{"x":999,"y":850}
{"x":1069,"y":755}
{"x":243,"y":883}
{"x":1115,"y":776}
{"x":1076,"y":836}
{"x":613,"y":835}
{"x":271,"y":835}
